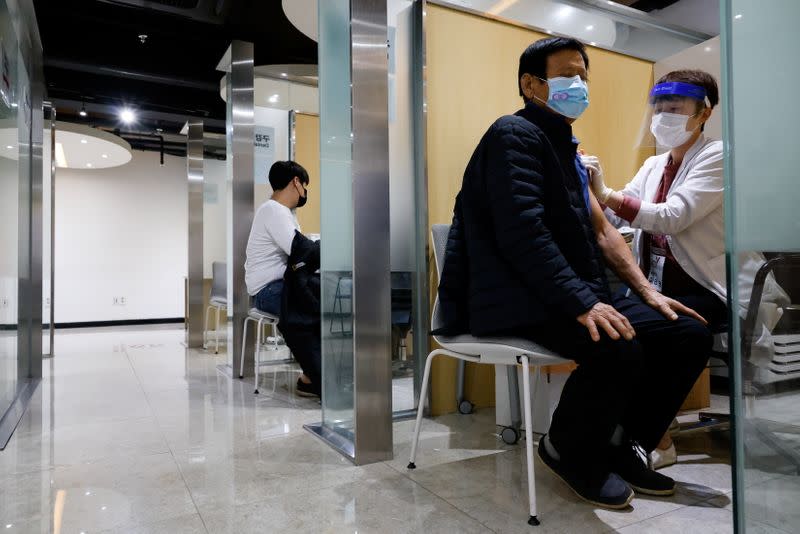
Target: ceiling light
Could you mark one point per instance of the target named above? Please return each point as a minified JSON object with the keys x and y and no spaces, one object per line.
{"x":273,"y":99}
{"x":82,"y":112}
{"x":10,"y":147}
{"x":14,"y":105}
{"x":708,"y":49}
{"x":737,"y":17}
{"x":104,"y":156}
{"x":593,"y":43}
{"x":611,"y":3}
{"x":61,"y":158}
{"x":142,"y":37}
{"x":84,"y":141}
{"x":127,"y":115}
{"x":590,"y":27}
{"x":284,"y":75}
{"x":88,"y":165}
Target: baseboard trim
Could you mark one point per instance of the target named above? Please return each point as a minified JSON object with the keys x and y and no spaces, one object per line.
{"x":125,"y":322}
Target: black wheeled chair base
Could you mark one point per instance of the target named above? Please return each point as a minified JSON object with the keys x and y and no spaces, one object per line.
{"x":534,"y":521}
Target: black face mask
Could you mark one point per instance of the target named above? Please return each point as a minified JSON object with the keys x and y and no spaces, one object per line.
{"x":302,"y":201}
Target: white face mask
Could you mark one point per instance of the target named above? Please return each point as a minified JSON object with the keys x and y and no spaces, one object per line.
{"x":670,"y":130}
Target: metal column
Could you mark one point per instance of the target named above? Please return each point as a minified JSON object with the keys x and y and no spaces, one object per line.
{"x":238,"y":62}
{"x":194,"y":172}
{"x":371,"y":250}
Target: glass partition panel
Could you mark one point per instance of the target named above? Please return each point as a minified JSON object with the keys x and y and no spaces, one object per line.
{"x":336,"y":220}
{"x":13,"y":129}
{"x":762,"y":194}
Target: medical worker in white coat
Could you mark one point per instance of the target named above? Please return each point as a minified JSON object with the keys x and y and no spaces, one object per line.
{"x":675,"y":204}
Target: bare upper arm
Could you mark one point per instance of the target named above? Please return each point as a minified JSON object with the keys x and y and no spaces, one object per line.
{"x":600,"y":224}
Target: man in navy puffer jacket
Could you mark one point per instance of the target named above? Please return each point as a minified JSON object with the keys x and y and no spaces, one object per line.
{"x":526,"y":257}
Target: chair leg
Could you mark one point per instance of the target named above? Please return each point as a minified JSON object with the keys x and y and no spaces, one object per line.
{"x":526,"y":391}
{"x":244,"y":344}
{"x":216,"y":333}
{"x":421,"y":409}
{"x":257,"y":359}
{"x":205,"y":331}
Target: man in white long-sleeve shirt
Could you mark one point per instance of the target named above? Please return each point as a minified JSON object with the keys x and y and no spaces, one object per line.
{"x":272,"y":233}
{"x":268,"y":249}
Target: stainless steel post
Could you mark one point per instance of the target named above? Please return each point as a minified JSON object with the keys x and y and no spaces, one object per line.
{"x":194,"y":172}
{"x":371,"y":250}
{"x":238,"y":62}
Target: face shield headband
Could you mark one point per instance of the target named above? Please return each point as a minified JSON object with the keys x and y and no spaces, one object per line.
{"x":668,"y":89}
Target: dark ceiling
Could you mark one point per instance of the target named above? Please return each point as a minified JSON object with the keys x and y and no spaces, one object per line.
{"x":93,"y":54}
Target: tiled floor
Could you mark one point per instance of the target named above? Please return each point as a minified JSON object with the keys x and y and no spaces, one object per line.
{"x":129,"y":432}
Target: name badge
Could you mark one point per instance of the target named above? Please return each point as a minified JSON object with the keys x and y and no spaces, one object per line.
{"x":656,"y":277}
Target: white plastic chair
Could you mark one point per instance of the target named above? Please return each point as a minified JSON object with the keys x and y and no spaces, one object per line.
{"x":493,"y":351}
{"x":218,"y":300}
{"x":262,"y":319}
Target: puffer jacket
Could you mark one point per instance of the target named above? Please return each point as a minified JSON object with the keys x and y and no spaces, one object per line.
{"x":522,"y":250}
{"x":301,"y":285}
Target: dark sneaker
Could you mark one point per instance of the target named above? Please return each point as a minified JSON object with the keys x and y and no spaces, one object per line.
{"x":306,"y":390}
{"x":629,"y":461}
{"x":607,"y":490}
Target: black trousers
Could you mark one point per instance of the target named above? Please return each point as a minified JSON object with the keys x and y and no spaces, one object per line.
{"x":305,"y":344}
{"x":638,"y":384}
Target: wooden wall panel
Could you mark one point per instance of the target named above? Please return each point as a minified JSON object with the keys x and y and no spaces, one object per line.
{"x":307,"y":154}
{"x":472,"y":69}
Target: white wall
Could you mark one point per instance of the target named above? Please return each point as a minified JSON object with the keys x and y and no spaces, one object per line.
{"x":705,"y":56}
{"x":122,"y":232}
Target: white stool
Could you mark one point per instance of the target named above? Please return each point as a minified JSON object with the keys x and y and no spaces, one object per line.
{"x":262,"y":318}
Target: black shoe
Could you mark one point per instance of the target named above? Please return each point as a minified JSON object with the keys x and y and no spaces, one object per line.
{"x":629,"y":461}
{"x":307,"y":390}
{"x":607,"y":489}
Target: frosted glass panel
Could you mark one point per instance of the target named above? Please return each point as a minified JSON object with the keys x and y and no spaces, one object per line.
{"x":763,"y":238}
{"x":336,"y":217}
{"x":765,"y":124}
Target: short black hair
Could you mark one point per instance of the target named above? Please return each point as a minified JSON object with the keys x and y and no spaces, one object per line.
{"x":283,"y":172}
{"x":695,"y":77}
{"x":533,"y":60}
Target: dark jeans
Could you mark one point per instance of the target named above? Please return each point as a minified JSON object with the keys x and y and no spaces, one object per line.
{"x":268,"y":299}
{"x":638,"y":384}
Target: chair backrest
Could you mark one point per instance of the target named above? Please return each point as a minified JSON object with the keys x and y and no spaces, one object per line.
{"x":219,"y":280}
{"x":439,"y":233}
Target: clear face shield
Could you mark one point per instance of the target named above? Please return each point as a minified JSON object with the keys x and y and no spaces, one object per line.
{"x":670,"y":117}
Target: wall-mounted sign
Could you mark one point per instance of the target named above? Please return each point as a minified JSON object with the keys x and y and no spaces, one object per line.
{"x":264,"y":153}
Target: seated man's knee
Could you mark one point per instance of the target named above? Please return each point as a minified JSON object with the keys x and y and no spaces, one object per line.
{"x":624,"y":356}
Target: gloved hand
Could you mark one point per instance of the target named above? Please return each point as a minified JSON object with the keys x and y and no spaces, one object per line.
{"x":601,"y":191}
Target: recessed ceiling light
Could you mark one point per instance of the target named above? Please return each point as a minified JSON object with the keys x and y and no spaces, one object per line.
{"x":88,"y":165}
{"x":590,"y":27}
{"x":14,"y":105}
{"x":104,"y":156}
{"x":593,"y":43}
{"x":708,"y":49}
{"x":737,"y":17}
{"x":82,"y":112}
{"x":84,"y":141}
{"x":127,"y":115}
{"x":284,"y":75}
{"x":10,"y":147}
{"x":273,"y":99}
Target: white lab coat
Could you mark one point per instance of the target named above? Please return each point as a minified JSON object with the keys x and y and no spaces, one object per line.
{"x":692,"y":220}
